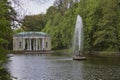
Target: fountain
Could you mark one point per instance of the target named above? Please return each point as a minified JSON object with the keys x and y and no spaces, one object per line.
{"x":78,"y":40}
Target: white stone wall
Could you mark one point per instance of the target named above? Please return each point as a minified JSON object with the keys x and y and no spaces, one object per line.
{"x":48,"y":41}
{"x":17,"y":43}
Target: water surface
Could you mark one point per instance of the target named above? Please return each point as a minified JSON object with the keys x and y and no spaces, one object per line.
{"x":62,"y":67}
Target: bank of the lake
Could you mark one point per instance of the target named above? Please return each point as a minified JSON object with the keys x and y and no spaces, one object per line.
{"x":104,"y":53}
{"x":69,"y":52}
{"x":95,"y":53}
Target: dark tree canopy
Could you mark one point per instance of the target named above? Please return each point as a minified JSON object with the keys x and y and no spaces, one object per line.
{"x":34,"y":23}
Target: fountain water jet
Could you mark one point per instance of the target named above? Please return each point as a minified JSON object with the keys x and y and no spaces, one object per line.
{"x":78,"y":40}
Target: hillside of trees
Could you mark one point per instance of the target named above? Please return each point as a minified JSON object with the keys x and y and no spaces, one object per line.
{"x":101,"y":20}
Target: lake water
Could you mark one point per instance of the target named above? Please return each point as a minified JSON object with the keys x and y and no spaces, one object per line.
{"x":62,"y":67}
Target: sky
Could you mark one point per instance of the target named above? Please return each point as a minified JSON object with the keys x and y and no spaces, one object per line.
{"x":32,"y":7}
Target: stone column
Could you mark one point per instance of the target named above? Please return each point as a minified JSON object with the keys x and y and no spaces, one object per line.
{"x":27,"y":44}
{"x":42,"y":43}
{"x":39,"y":44}
{"x":30,"y":44}
{"x":36,"y":44}
{"x":23,"y":43}
{"x":16,"y":44}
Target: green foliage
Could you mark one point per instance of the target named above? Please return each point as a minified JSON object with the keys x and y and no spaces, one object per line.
{"x":106,"y":34}
{"x":6,"y":17}
{"x":6,"y":14}
{"x":4,"y":75}
{"x":101,"y":20}
{"x":101,"y":27}
{"x":61,"y":28}
{"x":34,"y":23}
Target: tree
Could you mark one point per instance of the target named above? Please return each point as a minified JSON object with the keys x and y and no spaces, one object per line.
{"x":34,"y":23}
{"x":60,"y":27}
{"x":106,"y":35}
{"x":7,"y":15}
{"x":63,"y":5}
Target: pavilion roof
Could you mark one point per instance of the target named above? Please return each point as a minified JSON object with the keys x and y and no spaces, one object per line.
{"x":31,"y":33}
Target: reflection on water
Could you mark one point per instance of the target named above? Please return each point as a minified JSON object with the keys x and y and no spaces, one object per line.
{"x":50,"y":67}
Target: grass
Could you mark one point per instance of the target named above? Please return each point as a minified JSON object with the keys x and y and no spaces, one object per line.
{"x":105,"y":53}
{"x":62,"y":51}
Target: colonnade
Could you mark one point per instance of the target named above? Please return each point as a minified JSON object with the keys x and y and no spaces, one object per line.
{"x":33,"y":44}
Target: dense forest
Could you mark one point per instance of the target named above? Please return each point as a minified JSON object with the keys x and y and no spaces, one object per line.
{"x":101,"y":20}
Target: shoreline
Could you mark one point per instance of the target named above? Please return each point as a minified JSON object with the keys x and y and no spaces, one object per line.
{"x":103,"y":53}
{"x":69,"y":51}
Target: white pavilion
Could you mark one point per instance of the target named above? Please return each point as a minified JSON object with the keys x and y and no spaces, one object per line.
{"x":31,"y":41}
